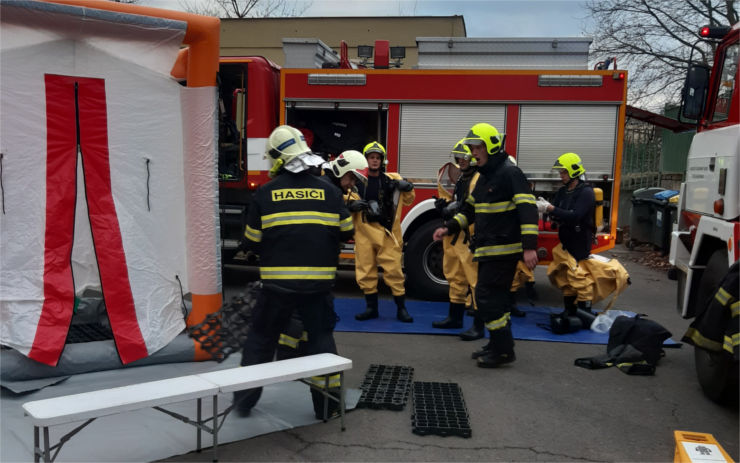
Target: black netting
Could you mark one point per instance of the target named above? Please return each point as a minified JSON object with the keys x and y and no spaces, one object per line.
{"x":223,"y":332}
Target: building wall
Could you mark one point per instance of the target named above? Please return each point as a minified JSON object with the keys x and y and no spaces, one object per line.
{"x":263,"y":36}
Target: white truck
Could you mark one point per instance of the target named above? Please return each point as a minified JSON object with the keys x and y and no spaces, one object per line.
{"x":705,"y":243}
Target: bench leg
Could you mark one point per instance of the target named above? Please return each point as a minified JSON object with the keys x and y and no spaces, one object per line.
{"x":341,"y":399}
{"x":36,"y":448}
{"x":47,"y":455}
{"x":200,"y":422}
{"x":215,"y":427}
{"x":326,"y":397}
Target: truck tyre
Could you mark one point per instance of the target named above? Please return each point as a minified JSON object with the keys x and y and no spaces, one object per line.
{"x":717,"y":374}
{"x":716,"y":371}
{"x":423,"y":264}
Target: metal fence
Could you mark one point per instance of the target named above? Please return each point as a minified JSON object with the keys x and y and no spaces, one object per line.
{"x":641,"y":155}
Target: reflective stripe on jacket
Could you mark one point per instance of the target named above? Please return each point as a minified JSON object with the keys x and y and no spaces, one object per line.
{"x":503,"y":209}
{"x":296,"y":223}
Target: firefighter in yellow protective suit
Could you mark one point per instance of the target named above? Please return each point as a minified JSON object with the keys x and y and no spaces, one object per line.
{"x":376,"y":213}
{"x":584,"y":279}
{"x":457,"y":263}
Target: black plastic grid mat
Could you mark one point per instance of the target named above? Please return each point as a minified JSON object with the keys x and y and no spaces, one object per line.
{"x":386,"y":386}
{"x":439,"y":408}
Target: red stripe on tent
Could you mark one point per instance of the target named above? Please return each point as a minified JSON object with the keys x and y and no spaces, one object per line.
{"x":61,"y":162}
{"x":106,"y":231}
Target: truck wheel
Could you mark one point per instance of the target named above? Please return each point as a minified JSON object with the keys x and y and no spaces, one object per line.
{"x":423,"y":264}
{"x":714,"y":369}
{"x":717,"y":374}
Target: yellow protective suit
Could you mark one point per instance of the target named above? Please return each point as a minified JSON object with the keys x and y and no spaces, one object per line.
{"x":521,"y":276}
{"x":592,"y":279}
{"x":375,"y":247}
{"x":457,"y":263}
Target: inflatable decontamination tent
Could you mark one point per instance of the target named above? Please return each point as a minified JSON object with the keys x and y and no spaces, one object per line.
{"x":108,"y":172}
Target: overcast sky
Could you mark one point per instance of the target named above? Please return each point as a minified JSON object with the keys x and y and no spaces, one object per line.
{"x":483,"y":18}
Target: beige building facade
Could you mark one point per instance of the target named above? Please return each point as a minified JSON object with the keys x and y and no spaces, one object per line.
{"x":264,"y":36}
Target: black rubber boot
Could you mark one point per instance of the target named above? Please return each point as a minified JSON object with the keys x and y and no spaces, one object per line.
{"x":585,"y":314}
{"x":482,"y":351}
{"x":401,"y":312}
{"x":513,"y":309}
{"x":454,"y":317}
{"x":531,"y":292}
{"x":585,"y":306}
{"x":474,"y":332}
{"x":501,"y":350}
{"x":371,"y":311}
{"x":569,"y":304}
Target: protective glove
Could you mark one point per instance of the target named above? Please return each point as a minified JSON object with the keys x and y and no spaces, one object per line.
{"x":357,"y":205}
{"x":404,"y":185}
{"x":440,"y":204}
{"x":542,"y":205}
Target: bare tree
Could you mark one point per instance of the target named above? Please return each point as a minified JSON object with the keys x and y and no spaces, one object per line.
{"x":246,"y":8}
{"x":654,"y":40}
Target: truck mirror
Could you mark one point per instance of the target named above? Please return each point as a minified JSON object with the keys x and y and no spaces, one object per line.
{"x":695,"y":91}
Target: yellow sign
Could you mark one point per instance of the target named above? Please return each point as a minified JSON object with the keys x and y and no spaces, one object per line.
{"x":297,"y":193}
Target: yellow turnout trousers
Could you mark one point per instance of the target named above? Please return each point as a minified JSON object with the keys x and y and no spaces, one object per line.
{"x":376,"y":246}
{"x":592,"y":279}
{"x":522,"y":275}
{"x":459,"y":269}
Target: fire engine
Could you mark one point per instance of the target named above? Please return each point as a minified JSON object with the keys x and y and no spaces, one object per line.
{"x":705,"y":243}
{"x":418,"y":114}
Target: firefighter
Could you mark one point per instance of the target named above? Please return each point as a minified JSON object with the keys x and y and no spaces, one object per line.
{"x":346,"y":170}
{"x":343,"y":172}
{"x":376,"y":213}
{"x":572,"y":209}
{"x":505,"y":215}
{"x":294,"y":208}
{"x":457,"y":262}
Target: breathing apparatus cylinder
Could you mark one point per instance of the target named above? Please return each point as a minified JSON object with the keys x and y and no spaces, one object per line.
{"x":599,"y":208}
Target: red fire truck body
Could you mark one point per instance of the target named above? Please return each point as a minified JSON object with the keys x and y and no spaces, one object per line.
{"x":418,"y":115}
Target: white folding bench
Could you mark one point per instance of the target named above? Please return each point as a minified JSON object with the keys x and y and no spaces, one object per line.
{"x":88,"y":406}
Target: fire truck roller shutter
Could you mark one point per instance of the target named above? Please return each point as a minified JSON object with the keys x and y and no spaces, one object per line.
{"x":548,"y":129}
{"x":428,"y":131}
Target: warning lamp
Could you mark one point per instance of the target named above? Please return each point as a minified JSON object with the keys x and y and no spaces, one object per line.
{"x":719,"y":206}
{"x":619,"y":75}
{"x":713,"y":32}
{"x":252,"y":185}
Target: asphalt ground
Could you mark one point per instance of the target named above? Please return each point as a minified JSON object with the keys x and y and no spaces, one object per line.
{"x":540,"y":408}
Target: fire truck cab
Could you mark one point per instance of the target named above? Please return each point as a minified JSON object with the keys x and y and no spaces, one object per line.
{"x":705,"y":243}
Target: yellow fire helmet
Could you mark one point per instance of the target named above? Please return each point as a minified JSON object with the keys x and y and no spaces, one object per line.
{"x":487,"y":134}
{"x":461,"y":151}
{"x":375,"y":147}
{"x":572,"y":163}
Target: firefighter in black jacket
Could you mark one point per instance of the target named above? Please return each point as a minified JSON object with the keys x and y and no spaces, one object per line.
{"x":505,"y":215}
{"x":294,"y":209}
{"x":572,"y":209}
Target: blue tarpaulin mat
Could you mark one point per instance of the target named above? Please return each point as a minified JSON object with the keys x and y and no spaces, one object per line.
{"x":527,"y":328}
